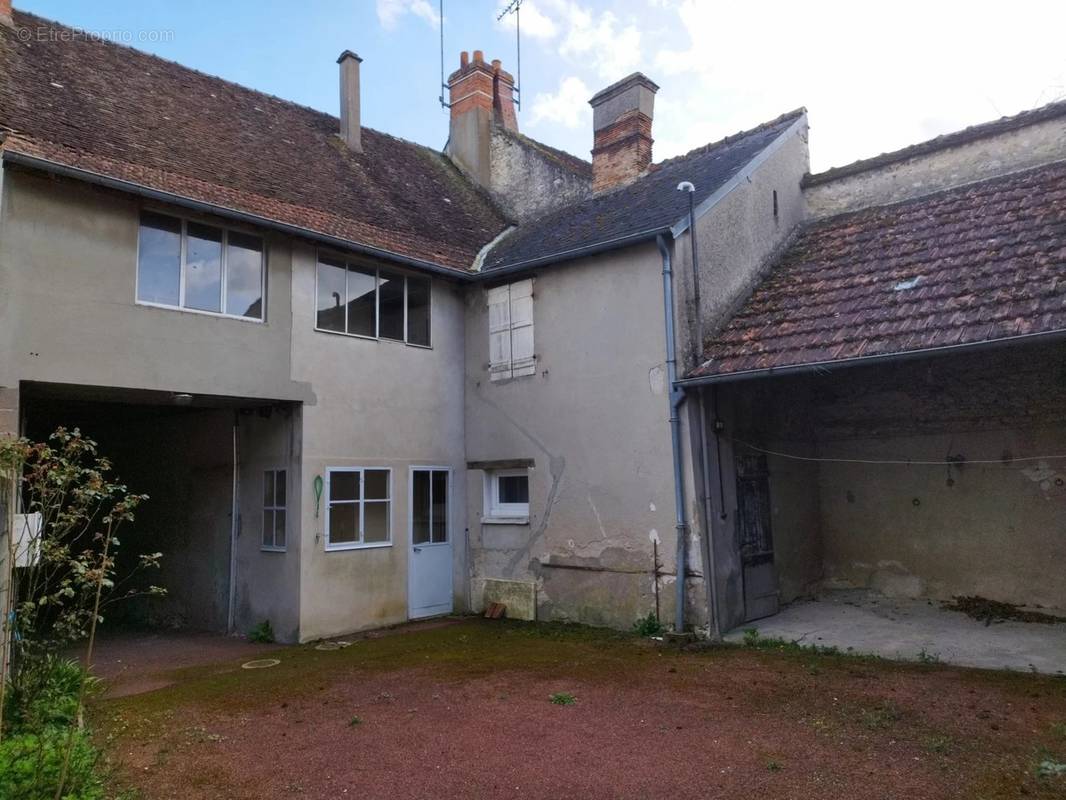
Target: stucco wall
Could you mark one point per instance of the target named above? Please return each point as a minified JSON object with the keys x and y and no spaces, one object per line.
{"x":68,"y":266}
{"x":380,"y":404}
{"x":996,"y":529}
{"x":977,"y":160}
{"x":594,"y":419}
{"x":267,"y":584}
{"x":739,"y":237}
{"x":528,"y":181}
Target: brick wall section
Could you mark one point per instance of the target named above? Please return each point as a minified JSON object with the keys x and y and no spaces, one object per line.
{"x":503,"y":97}
{"x":471,"y":86}
{"x":621,"y":151}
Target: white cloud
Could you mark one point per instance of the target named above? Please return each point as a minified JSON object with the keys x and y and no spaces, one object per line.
{"x":535,"y":22}
{"x":390,"y":11}
{"x":569,"y":106}
{"x":600,"y":42}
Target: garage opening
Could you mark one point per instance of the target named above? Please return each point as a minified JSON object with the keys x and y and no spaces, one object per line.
{"x":892,"y":491}
{"x":202,"y":461}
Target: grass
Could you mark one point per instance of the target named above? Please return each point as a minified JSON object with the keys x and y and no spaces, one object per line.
{"x":563,"y":699}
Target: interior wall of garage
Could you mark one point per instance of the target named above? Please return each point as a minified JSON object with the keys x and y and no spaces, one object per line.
{"x":992,"y":529}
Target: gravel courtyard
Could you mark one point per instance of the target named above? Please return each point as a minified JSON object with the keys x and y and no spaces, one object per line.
{"x":479,"y":708}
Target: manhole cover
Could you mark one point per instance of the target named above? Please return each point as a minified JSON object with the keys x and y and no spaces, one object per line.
{"x":261,"y":663}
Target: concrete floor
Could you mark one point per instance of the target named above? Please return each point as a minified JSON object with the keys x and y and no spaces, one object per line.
{"x":865,"y":622}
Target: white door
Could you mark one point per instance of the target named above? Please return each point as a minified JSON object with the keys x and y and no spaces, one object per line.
{"x":429,"y":582}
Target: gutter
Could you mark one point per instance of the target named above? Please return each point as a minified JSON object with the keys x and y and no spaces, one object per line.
{"x":824,"y":367}
{"x":131,"y":187}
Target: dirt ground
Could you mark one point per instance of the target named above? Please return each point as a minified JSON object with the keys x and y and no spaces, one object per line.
{"x":465,"y":710}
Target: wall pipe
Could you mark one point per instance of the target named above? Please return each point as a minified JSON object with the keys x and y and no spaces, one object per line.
{"x":676,"y":398}
{"x":697,"y":342}
{"x":235,"y":522}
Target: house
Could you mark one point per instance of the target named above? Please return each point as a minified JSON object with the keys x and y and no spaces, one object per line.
{"x":364,"y":381}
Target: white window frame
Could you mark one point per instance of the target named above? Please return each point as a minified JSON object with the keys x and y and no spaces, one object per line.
{"x":359,"y":265}
{"x":411,"y":505}
{"x":358,"y":544}
{"x":495,"y":511}
{"x":275,"y":548}
{"x":260,"y":320}
{"x":510,"y":319}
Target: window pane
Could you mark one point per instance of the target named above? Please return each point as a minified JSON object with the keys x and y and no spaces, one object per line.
{"x":344,"y":523}
{"x":279,"y":528}
{"x":159,"y":259}
{"x":330,"y":296}
{"x":279,"y":494}
{"x":268,"y":528}
{"x":514,"y":488}
{"x":420,"y":507}
{"x":391,"y":303}
{"x":418,"y":311}
{"x":268,"y":488}
{"x":203,"y":268}
{"x":376,"y":522}
{"x":344,"y":486}
{"x":440,"y":506}
{"x":244,"y":275}
{"x":376,"y":484}
{"x":362,"y":302}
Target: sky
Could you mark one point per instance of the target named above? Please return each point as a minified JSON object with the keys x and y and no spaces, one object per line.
{"x":874,"y":76}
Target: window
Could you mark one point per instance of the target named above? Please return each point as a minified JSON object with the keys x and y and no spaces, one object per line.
{"x":197,"y":267}
{"x":507,"y":494}
{"x":377,"y":303}
{"x":358,"y":508}
{"x":511,"y":331}
{"x":429,"y":506}
{"x":274,"y":509}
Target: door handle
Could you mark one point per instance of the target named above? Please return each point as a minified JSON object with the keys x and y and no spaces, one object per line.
{"x":418,"y":549}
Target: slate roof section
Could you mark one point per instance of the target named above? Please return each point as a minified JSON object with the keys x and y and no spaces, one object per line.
{"x":964,"y":266}
{"x":109,"y":109}
{"x":647,"y":206}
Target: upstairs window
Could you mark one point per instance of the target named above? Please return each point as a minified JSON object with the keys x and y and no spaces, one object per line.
{"x":197,"y":267}
{"x":511,"y":331}
{"x":377,"y":303}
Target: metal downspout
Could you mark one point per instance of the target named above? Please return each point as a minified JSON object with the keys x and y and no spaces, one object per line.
{"x":235,"y":521}
{"x":676,"y":397}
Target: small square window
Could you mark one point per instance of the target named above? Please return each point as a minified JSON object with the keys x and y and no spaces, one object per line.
{"x":507,"y":495}
{"x":358,"y":508}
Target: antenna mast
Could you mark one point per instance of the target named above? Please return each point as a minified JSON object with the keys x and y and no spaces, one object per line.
{"x":443,"y":86}
{"x":515,"y":7}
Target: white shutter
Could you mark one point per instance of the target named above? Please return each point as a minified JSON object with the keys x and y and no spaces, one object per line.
{"x":522,"y":362}
{"x":499,"y":333}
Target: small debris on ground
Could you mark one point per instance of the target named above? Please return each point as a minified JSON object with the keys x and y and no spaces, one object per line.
{"x":988,"y":611}
{"x":495,"y":610}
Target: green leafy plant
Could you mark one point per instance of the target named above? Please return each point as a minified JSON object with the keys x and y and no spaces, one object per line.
{"x":355,"y":721}
{"x":648,"y":626}
{"x":925,"y":657}
{"x":262,"y":633}
{"x":774,"y":766}
{"x":66,"y":576}
{"x":563,"y":699}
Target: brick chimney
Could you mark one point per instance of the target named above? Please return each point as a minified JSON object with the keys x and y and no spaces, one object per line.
{"x":351,"y":129}
{"x":621,"y":123}
{"x":5,"y":14}
{"x":481,"y":95}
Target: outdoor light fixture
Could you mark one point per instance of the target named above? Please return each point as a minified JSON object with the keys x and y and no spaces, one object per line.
{"x":181,"y":399}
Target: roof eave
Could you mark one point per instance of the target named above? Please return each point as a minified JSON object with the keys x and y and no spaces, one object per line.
{"x":844,"y":363}
{"x":131,"y":187}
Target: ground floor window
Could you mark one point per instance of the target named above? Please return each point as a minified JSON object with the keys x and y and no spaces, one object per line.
{"x":507,"y":494}
{"x":358,"y":507}
{"x":274,"y":510}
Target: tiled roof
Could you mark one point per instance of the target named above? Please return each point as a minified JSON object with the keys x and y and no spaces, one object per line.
{"x":648,"y":205}
{"x":968,"y":265}
{"x":109,"y":109}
